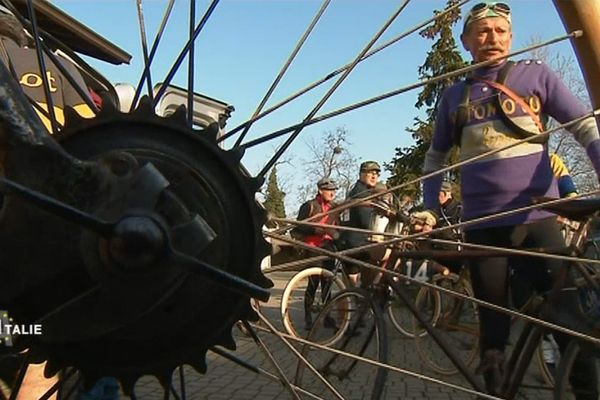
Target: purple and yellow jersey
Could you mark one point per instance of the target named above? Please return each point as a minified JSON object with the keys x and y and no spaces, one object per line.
{"x":24,"y":62}
{"x":510,"y":178}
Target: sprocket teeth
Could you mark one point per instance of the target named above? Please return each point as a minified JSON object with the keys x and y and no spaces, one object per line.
{"x":179,"y":117}
{"x":108,"y":107}
{"x":264,"y":248}
{"x":255,"y":183}
{"x":72,"y":117}
{"x":262,"y":281}
{"x":144,"y":107}
{"x":248,"y":313}
{"x":236,"y":154}
{"x":52,"y":368}
{"x":128,"y":384}
{"x":165,"y":378}
{"x":226,"y":340}
{"x":199,"y":365}
{"x":212,"y":131}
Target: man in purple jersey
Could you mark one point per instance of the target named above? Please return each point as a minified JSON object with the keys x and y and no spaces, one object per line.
{"x":478,"y":116}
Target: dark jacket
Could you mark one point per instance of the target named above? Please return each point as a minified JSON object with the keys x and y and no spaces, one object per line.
{"x":359,"y":216}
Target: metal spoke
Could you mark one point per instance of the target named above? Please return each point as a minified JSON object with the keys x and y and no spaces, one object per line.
{"x":342,"y":255}
{"x":146,"y":71}
{"x":258,"y":370}
{"x":190,"y":94}
{"x":454,"y":166}
{"x":303,"y":359}
{"x":271,"y":358}
{"x":416,"y":85}
{"x":185,"y":51}
{"x":342,"y":69}
{"x":283,"y":70}
{"x":42,"y":66}
{"x":140,"y":12}
{"x":442,"y":253}
{"x":312,"y":260}
{"x":330,"y":92}
{"x":378,"y":364}
{"x":56,"y":207}
{"x":75,"y":85}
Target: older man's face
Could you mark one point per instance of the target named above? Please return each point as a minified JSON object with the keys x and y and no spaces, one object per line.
{"x":488,"y":38}
{"x":327,"y":194}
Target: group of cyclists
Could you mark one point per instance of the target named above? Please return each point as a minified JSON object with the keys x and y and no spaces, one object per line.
{"x":496,"y":117}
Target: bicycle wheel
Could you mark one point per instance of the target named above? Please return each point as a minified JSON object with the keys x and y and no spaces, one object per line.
{"x":296,"y":307}
{"x":401,"y":316}
{"x":562,"y":384}
{"x":458,"y":324}
{"x":548,"y":358}
{"x":362,"y":333}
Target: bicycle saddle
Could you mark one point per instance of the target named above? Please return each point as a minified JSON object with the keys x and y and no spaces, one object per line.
{"x":576,"y":210}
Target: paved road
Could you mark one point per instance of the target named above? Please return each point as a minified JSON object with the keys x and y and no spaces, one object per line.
{"x":226,"y":380}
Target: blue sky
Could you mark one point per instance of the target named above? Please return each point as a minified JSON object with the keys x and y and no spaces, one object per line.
{"x":246,"y":42}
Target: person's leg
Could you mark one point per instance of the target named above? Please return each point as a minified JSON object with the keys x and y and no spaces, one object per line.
{"x":309,"y":299}
{"x":489,"y":277}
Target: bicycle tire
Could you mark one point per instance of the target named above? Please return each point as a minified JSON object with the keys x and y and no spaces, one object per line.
{"x":400,"y":316}
{"x":546,"y":368}
{"x":362,"y":332}
{"x":461,"y":330}
{"x":292,"y":298}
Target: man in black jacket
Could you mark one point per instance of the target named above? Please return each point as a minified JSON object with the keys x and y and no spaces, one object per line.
{"x":361,"y":216}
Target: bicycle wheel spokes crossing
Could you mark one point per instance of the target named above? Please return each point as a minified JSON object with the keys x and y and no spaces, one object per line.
{"x":458,"y":323}
{"x":360,"y":330}
{"x":402,"y":318}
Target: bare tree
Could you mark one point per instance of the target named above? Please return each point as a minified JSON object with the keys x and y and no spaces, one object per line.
{"x":563,"y":143}
{"x":330,"y":156}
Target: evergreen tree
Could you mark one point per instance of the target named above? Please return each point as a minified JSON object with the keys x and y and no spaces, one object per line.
{"x":274,"y":196}
{"x":443,"y":57}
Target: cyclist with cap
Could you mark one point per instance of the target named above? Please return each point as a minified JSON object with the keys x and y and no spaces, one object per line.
{"x":362,"y":216}
{"x":480,"y":115}
{"x":319,"y":237}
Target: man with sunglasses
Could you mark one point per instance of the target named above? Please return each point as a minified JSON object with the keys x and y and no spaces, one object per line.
{"x":361,"y":216}
{"x":497,"y":105}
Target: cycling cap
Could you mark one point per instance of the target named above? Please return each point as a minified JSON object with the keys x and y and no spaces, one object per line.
{"x":327,"y":184}
{"x":369,"y":166}
{"x":446,"y":187}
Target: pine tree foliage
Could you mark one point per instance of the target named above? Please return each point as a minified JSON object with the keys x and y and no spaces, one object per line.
{"x":443,"y":57}
{"x":274,"y":196}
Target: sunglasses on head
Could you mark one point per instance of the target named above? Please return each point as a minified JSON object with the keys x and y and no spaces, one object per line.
{"x":481,"y":10}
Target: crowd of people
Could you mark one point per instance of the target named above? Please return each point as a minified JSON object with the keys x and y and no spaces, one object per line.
{"x":525,"y":94}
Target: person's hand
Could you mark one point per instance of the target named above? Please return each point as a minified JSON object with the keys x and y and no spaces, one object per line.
{"x":423,"y":221}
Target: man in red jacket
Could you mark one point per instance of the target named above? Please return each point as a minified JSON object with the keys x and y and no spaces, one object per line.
{"x":319,"y":237}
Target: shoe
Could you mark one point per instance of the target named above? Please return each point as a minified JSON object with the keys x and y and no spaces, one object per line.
{"x":492,"y":368}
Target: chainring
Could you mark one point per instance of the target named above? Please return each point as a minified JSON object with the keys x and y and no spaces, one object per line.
{"x":149,"y":321}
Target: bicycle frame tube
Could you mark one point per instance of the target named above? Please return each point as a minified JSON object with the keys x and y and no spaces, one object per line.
{"x":585,"y":15}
